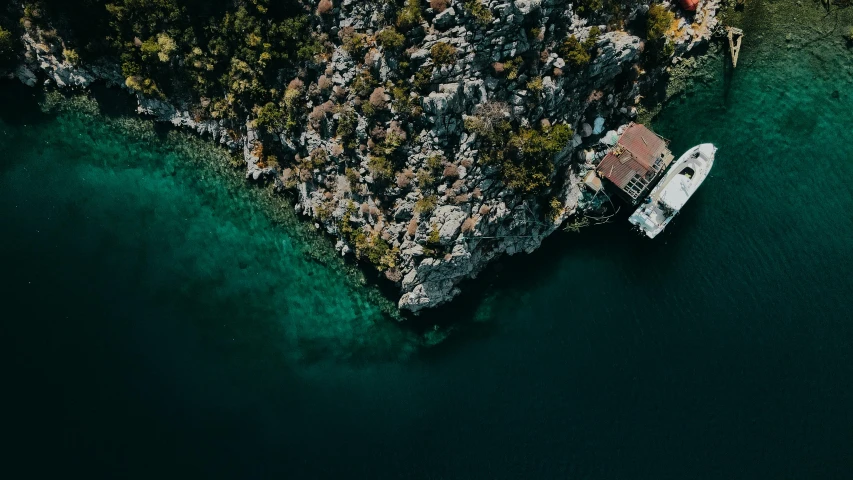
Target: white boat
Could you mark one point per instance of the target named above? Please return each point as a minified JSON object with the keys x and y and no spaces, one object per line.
{"x":672,"y":192}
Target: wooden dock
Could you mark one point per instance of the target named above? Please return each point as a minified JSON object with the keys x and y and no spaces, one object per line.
{"x":735,"y":37}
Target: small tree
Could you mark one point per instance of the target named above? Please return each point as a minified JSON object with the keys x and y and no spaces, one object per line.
{"x":7,"y":46}
{"x":659,"y":21}
{"x":443,"y":54}
{"x":390,"y":38}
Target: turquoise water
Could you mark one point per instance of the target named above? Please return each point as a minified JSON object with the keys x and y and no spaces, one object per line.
{"x":164,"y":319}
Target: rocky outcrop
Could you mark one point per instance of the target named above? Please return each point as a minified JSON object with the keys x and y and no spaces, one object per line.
{"x":444,"y":212}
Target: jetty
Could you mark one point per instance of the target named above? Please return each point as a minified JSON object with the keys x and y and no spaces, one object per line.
{"x":735,"y":37}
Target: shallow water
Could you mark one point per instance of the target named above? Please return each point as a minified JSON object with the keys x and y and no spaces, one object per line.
{"x":161,"y":322}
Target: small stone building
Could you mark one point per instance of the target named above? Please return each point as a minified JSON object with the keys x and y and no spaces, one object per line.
{"x":635,"y":162}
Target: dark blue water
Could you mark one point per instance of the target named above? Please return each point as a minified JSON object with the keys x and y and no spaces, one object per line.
{"x":162,"y":319}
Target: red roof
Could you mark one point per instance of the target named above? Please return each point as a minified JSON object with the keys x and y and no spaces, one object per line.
{"x":640,"y":148}
{"x":689,"y":5}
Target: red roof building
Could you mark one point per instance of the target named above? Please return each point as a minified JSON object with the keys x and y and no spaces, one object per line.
{"x":689,"y":5}
{"x":635,"y":161}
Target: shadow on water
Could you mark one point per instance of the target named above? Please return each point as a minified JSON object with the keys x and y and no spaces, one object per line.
{"x":21,"y":104}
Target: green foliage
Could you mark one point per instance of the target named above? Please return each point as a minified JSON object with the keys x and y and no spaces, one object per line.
{"x":434,"y":238}
{"x":669,"y":49}
{"x":71,"y":56}
{"x":434,"y":162}
{"x":390,"y":38}
{"x":479,"y":11}
{"x":555,"y":209}
{"x":443,"y":54}
{"x":355,"y":44}
{"x":347,"y":122}
{"x":364,"y":83}
{"x":410,"y":16}
{"x":352,"y":177}
{"x":271,"y":117}
{"x":8,"y":47}
{"x":592,"y":37}
{"x":511,"y":67}
{"x":402,"y":101}
{"x":579,"y":53}
{"x":585,"y":8}
{"x":423,"y":78}
{"x":143,"y":85}
{"x":426,"y":205}
{"x":426,"y":179}
{"x":574,"y":52}
{"x":225,"y":49}
{"x":376,"y":250}
{"x":535,"y":85}
{"x":525,"y":157}
{"x":659,"y":21}
{"x":380,"y":168}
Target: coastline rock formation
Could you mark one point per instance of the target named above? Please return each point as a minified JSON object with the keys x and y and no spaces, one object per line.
{"x":429,"y":139}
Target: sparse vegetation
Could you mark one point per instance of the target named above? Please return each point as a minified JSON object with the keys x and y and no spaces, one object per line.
{"x":8,"y":47}
{"x":443,"y":54}
{"x":410,"y":16}
{"x":426,"y":205}
{"x":579,"y":53}
{"x":478,"y":10}
{"x":390,"y":38}
{"x":659,"y":21}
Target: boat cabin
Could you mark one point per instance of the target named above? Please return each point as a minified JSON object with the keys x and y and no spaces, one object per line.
{"x":634,"y":164}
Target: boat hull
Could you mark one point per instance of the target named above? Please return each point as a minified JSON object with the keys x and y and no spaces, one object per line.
{"x":670,"y":195}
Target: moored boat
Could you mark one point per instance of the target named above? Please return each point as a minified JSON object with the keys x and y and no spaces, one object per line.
{"x":669,"y":196}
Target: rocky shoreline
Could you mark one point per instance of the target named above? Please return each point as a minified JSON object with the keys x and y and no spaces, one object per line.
{"x":440,"y":230}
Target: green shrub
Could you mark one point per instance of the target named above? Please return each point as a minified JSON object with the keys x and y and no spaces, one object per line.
{"x":363,"y":84}
{"x":270,"y":117}
{"x":592,"y":38}
{"x":380,"y":168}
{"x":410,"y":16}
{"x":529,"y":154}
{"x":574,"y":52}
{"x":535,"y":85}
{"x":479,"y":11}
{"x":659,"y":21}
{"x":71,"y":56}
{"x":426,"y":205}
{"x":443,"y":54}
{"x":355,"y":44}
{"x":434,"y":162}
{"x":434,"y":237}
{"x":668,"y":49}
{"x":143,"y":85}
{"x":423,"y":78}
{"x":586,"y":8}
{"x":555,"y":208}
{"x":390,"y":38}
{"x":8,"y":46}
{"x":347,"y":122}
{"x":426,"y":179}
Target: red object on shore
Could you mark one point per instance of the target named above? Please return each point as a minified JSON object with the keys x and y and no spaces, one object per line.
{"x":689,"y":5}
